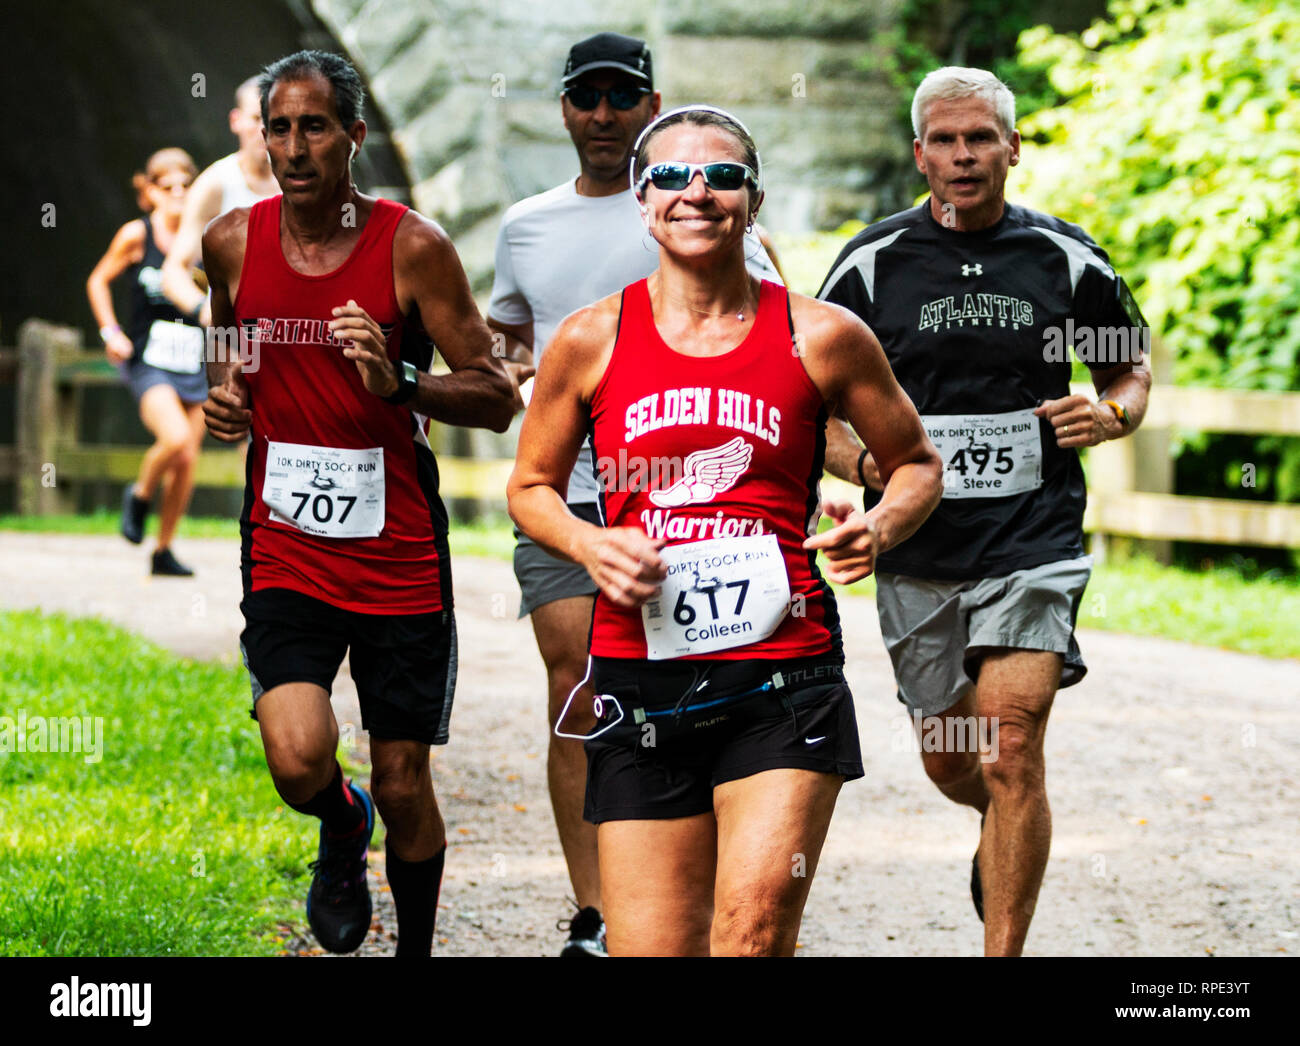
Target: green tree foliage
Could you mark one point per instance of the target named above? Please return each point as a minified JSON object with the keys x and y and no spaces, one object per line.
{"x":1178,"y":149}
{"x":928,"y":34}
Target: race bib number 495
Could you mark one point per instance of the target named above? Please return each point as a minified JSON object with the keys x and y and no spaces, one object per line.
{"x":326,"y":491}
{"x":721,"y":593}
{"x":988,"y":455}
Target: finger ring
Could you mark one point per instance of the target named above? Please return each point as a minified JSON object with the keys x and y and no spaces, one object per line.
{"x":1065,"y":431}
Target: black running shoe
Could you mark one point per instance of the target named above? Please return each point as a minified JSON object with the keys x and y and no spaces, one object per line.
{"x":338,"y":903}
{"x":134,"y":512}
{"x":586,"y":935}
{"x":977,"y":887}
{"x":167,"y":565}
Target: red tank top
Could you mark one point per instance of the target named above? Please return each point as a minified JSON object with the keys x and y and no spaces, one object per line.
{"x":701,"y":448}
{"x":342,"y":497}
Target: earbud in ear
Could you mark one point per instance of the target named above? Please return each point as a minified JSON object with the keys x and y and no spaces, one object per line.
{"x":353,"y":154}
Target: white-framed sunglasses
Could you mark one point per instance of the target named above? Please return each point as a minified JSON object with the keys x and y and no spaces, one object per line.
{"x":676,"y":175}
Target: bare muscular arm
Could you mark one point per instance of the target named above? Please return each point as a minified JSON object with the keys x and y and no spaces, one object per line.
{"x":428,"y":273}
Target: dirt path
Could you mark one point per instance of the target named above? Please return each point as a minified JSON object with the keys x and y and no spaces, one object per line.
{"x":1173,"y":778}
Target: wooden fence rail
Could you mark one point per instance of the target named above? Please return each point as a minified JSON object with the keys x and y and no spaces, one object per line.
{"x":1129,"y":481}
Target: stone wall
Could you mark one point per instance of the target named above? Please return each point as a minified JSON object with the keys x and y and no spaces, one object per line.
{"x":97,"y":87}
{"x":472,"y":90}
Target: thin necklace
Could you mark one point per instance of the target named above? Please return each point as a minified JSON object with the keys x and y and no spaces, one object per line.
{"x":740,"y":315}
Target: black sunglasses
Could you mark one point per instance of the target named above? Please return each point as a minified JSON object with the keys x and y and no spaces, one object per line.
{"x":587,"y":98}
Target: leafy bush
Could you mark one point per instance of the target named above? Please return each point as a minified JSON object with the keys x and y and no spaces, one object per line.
{"x":1178,"y":150}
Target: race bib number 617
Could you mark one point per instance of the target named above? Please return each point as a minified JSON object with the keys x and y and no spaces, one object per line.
{"x":720,"y":593}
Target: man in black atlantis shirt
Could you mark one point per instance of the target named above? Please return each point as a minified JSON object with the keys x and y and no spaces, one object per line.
{"x":975,"y":301}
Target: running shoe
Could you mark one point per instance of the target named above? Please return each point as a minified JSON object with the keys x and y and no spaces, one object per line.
{"x":977,"y":887}
{"x":338,"y":904}
{"x":134,"y":512}
{"x":167,"y":565}
{"x":586,"y":935}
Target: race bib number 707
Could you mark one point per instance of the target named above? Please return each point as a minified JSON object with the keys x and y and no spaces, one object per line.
{"x":327,"y":491}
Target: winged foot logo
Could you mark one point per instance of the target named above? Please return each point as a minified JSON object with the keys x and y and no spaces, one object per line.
{"x":708,"y":474}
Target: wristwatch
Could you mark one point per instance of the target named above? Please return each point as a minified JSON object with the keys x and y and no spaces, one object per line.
{"x":407,"y":382}
{"x":1120,"y":410}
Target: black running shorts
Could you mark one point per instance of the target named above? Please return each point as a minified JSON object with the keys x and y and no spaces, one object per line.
{"x":404,"y":665}
{"x":677,"y":741}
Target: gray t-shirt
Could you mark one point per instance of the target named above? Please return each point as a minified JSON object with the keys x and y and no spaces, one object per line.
{"x":558,"y":252}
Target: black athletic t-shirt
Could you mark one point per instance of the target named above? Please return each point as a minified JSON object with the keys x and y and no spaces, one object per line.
{"x":979,"y":323}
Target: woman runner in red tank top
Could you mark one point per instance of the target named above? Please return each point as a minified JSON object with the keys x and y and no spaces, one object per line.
{"x":724,"y":726}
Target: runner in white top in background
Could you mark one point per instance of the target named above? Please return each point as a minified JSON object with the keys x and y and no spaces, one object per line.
{"x":558,"y":252}
{"x":237,"y":180}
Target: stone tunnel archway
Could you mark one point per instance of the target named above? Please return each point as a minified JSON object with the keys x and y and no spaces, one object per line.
{"x":93,"y":89}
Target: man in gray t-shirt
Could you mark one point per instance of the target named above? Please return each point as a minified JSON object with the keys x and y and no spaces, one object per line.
{"x":558,"y":252}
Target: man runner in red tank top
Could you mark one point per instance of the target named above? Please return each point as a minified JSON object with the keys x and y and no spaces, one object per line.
{"x":724,"y":726}
{"x":336,"y":296}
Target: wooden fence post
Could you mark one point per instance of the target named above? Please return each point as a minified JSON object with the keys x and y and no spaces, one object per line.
{"x":1137,"y":463}
{"x":40,"y":345}
{"x":1153,"y":466}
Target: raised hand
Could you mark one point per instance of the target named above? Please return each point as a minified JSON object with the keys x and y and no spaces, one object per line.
{"x":368,"y":348}
{"x":625,"y":564}
{"x":850,"y":546}
{"x":226,"y":411}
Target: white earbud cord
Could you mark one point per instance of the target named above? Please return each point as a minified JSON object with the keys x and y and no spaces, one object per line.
{"x":597,"y":706}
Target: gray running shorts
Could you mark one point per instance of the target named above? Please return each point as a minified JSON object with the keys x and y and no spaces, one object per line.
{"x":936,"y":632}
{"x":543,"y":578}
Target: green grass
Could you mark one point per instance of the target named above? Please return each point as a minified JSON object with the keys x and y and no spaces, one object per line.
{"x":490,"y":538}
{"x":174,"y":841}
{"x":105,"y":522}
{"x":1217,"y":608}
{"x":1211,"y":607}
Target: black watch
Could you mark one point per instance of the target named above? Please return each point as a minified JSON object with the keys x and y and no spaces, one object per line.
{"x":407,"y":382}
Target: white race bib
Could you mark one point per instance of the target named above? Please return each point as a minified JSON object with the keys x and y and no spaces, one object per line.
{"x":988,"y":455}
{"x":175,"y":347}
{"x":327,"y":491}
{"x":719,"y":594}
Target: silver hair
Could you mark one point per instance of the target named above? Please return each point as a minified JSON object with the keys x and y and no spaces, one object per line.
{"x":955,"y":81}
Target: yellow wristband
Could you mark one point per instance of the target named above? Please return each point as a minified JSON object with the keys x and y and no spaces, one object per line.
{"x":1120,"y":410}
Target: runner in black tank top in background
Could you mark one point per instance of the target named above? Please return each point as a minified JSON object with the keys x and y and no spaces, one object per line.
{"x":726,"y":729}
{"x":160,"y":356}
